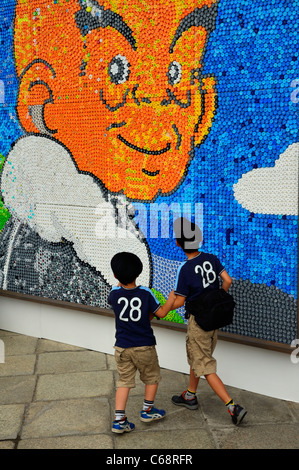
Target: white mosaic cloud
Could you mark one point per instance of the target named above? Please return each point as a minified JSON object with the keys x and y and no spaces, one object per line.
{"x":271,"y":190}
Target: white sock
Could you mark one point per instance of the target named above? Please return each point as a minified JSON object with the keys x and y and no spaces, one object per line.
{"x":120,"y":415}
{"x":147,"y":404}
{"x":189,"y":395}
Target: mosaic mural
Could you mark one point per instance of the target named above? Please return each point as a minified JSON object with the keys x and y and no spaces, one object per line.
{"x":119,"y":115}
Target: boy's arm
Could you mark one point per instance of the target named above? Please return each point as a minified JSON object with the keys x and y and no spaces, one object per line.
{"x":165,"y":309}
{"x":227,"y":280}
{"x":151,"y":316}
{"x":179,"y":301}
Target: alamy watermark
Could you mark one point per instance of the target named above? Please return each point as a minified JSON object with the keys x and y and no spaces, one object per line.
{"x":120,"y":219}
{"x":295,"y":93}
{"x":2,"y":352}
{"x":295,"y":353}
{"x":2,"y":92}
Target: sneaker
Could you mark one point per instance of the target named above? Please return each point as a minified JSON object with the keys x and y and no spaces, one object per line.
{"x":122,"y":426}
{"x":237,"y":414}
{"x":152,"y":414}
{"x":181,"y":401}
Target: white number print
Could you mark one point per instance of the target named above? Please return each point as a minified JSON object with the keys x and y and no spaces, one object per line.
{"x":207,"y":273}
{"x":135,"y":309}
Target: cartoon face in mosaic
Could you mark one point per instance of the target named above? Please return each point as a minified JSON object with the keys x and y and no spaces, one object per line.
{"x":120,"y":84}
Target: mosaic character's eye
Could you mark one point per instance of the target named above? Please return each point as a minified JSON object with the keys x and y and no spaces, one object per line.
{"x":174,"y":73}
{"x":119,"y":69}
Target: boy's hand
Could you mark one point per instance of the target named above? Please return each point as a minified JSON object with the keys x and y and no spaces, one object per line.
{"x":165,"y":309}
{"x":172,"y":297}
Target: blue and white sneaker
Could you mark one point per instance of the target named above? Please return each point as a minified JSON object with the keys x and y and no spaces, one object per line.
{"x":152,"y":414}
{"x":122,"y":426}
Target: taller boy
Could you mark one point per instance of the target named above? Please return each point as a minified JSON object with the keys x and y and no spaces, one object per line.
{"x":200,"y":271}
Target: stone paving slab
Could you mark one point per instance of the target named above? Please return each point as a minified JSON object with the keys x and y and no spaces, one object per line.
{"x":19,"y":345}
{"x":266,"y":410}
{"x":67,"y":417}
{"x":18,"y":365}
{"x":17,"y":389}
{"x":70,"y":361}
{"x":99,"y":441}
{"x":111,"y":364}
{"x":11,"y":417}
{"x":46,"y":345}
{"x":5,"y":445}
{"x":294,"y":409}
{"x":173,"y":439}
{"x":267,"y":436}
{"x":74,"y":385}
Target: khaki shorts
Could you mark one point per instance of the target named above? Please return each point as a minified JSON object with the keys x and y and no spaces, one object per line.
{"x":142,"y":358}
{"x":200,"y":346}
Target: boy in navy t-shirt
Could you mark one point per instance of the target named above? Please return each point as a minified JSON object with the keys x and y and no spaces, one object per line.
{"x":199,"y":272}
{"x":134,"y":307}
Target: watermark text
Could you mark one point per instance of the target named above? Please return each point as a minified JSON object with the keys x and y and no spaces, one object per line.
{"x":2,"y":352}
{"x":295,"y":93}
{"x":295,"y":353}
{"x":153,"y":220}
{"x":2,"y":92}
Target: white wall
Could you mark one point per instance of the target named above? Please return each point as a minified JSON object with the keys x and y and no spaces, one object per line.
{"x":254,"y":369}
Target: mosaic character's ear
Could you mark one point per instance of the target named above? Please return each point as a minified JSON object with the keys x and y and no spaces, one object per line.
{"x":205,"y":108}
{"x":35,"y":94}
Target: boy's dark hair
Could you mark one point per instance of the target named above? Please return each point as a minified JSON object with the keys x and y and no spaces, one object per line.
{"x":126,"y":267}
{"x":187,"y":234}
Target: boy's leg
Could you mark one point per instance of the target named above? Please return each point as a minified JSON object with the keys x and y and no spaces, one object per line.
{"x":149,"y":396}
{"x":150,"y":374}
{"x":188,"y":398}
{"x":120,"y":423}
{"x":150,"y":392}
{"x":236,"y":411}
{"x":121,"y":398}
{"x":126,"y":371}
{"x":199,"y":348}
{"x":217,"y":385}
{"x":193,"y":381}
{"x":149,"y":412}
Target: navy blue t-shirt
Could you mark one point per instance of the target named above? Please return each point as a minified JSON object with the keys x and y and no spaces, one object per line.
{"x":132,"y":308}
{"x":197,"y":274}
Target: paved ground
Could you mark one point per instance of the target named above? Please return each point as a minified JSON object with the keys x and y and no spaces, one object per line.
{"x":56,"y":396}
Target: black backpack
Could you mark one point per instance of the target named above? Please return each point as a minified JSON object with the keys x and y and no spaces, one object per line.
{"x":212,"y":309}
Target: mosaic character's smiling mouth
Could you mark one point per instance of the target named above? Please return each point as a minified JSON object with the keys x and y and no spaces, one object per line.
{"x":142,"y":150}
{"x":150,"y":173}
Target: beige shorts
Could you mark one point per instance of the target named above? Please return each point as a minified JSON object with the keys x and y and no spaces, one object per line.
{"x":200,"y":346}
{"x":142,"y":358}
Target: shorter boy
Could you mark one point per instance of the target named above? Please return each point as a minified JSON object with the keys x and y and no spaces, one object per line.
{"x":200,"y":271}
{"x":134,"y":307}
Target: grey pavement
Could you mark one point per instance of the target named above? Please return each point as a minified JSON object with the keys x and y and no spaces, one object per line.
{"x":58,"y":396}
